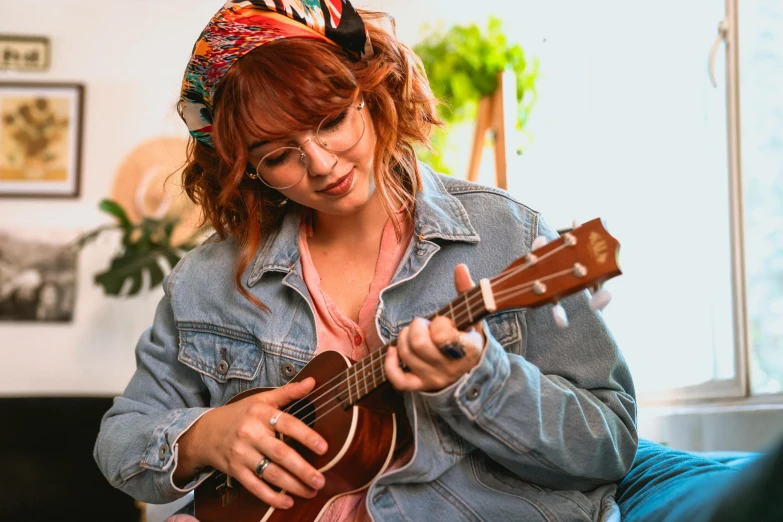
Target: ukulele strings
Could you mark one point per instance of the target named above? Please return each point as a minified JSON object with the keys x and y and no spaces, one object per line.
{"x":470,"y":302}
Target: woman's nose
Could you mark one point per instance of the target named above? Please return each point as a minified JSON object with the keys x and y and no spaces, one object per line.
{"x":320,"y":161}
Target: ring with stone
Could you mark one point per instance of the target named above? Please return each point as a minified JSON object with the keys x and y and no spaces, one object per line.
{"x":453,"y":349}
{"x":261,"y":466}
{"x":273,"y":420}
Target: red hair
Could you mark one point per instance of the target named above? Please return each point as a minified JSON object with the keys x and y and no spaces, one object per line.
{"x":288,"y":86}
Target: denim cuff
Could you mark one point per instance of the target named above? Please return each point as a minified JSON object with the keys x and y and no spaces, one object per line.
{"x":468,"y":394}
{"x":161,"y":454}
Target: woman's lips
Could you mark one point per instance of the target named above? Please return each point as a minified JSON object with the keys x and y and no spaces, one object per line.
{"x":341,"y":187}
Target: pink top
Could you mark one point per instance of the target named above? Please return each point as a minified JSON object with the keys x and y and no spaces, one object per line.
{"x":338,"y":332}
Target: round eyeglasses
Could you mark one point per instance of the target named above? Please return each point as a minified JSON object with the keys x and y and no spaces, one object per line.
{"x":284,"y":167}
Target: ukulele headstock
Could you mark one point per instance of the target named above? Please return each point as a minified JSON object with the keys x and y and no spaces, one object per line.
{"x":581,"y":258}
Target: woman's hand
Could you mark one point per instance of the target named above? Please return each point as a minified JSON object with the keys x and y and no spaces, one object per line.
{"x":236,"y":437}
{"x":418,"y":347}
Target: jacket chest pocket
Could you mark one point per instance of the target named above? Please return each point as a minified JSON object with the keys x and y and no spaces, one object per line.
{"x":228,"y":365}
{"x":509,"y":329}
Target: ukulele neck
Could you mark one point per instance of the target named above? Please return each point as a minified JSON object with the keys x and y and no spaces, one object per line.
{"x":369,"y":374}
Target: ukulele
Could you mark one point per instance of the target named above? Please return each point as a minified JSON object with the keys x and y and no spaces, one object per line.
{"x":360,"y":436}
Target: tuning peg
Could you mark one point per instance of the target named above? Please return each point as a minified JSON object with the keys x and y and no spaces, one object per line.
{"x":575,"y":224}
{"x":559,"y":315}
{"x":539,"y":242}
{"x":600,"y":299}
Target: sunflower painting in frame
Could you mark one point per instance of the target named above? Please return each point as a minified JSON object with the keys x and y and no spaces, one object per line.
{"x":40,"y":139}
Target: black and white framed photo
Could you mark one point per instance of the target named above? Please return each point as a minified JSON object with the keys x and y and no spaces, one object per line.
{"x":40,"y":139}
{"x":38,"y":273}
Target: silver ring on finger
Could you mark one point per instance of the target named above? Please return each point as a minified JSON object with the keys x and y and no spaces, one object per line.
{"x":273,"y":420}
{"x":261,"y":466}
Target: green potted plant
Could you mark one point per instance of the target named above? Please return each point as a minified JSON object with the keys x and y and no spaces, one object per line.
{"x":144,"y":246}
{"x":462,"y":64}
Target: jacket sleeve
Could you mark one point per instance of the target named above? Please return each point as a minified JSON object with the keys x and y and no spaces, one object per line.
{"x":561,"y":416}
{"x":136,"y":447}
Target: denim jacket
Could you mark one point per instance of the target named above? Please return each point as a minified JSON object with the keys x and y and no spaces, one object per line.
{"x":538,"y":431}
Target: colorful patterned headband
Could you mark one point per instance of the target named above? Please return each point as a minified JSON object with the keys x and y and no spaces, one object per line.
{"x":241,"y":26}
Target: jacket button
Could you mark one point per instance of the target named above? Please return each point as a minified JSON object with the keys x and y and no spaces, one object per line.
{"x":222,"y":367}
{"x":473,"y":392}
{"x":289,"y":370}
{"x":163,"y":451}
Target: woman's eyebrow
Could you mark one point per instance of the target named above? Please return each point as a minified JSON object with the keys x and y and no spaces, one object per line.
{"x":256,"y":144}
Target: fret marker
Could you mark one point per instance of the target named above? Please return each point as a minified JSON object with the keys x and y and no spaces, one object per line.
{"x":486,"y":293}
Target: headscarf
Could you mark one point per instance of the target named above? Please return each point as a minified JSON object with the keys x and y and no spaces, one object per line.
{"x":241,"y":26}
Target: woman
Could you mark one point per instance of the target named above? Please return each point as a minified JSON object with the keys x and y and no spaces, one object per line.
{"x":331,"y":236}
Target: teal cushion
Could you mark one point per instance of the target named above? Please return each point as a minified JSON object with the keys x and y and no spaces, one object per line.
{"x":666,"y":485}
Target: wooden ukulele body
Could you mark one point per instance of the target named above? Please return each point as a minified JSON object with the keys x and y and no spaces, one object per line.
{"x":361,"y":444}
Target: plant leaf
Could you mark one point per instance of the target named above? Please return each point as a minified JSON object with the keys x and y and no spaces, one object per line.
{"x":114,"y":208}
{"x":92,"y":235}
{"x":131,"y":265}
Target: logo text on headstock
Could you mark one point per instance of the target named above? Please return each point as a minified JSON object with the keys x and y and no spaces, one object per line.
{"x":598,"y":247}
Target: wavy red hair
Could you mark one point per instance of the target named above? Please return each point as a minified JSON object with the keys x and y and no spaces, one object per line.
{"x":288,"y":86}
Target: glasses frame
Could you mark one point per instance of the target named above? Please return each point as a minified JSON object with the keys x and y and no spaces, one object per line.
{"x":303,"y":155}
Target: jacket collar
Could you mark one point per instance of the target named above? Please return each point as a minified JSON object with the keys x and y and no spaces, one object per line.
{"x":438,"y":215}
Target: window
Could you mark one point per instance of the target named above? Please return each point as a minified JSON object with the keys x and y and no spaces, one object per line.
{"x":630,"y":127}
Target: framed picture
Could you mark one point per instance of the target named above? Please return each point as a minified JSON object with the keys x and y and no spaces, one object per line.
{"x":24,"y":53}
{"x":38,"y":272}
{"x":40,"y":139}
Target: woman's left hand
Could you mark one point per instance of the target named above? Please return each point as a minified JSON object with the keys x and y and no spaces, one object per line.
{"x":418,"y":347}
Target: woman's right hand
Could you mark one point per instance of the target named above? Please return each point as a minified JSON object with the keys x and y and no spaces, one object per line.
{"x":234,"y":438}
